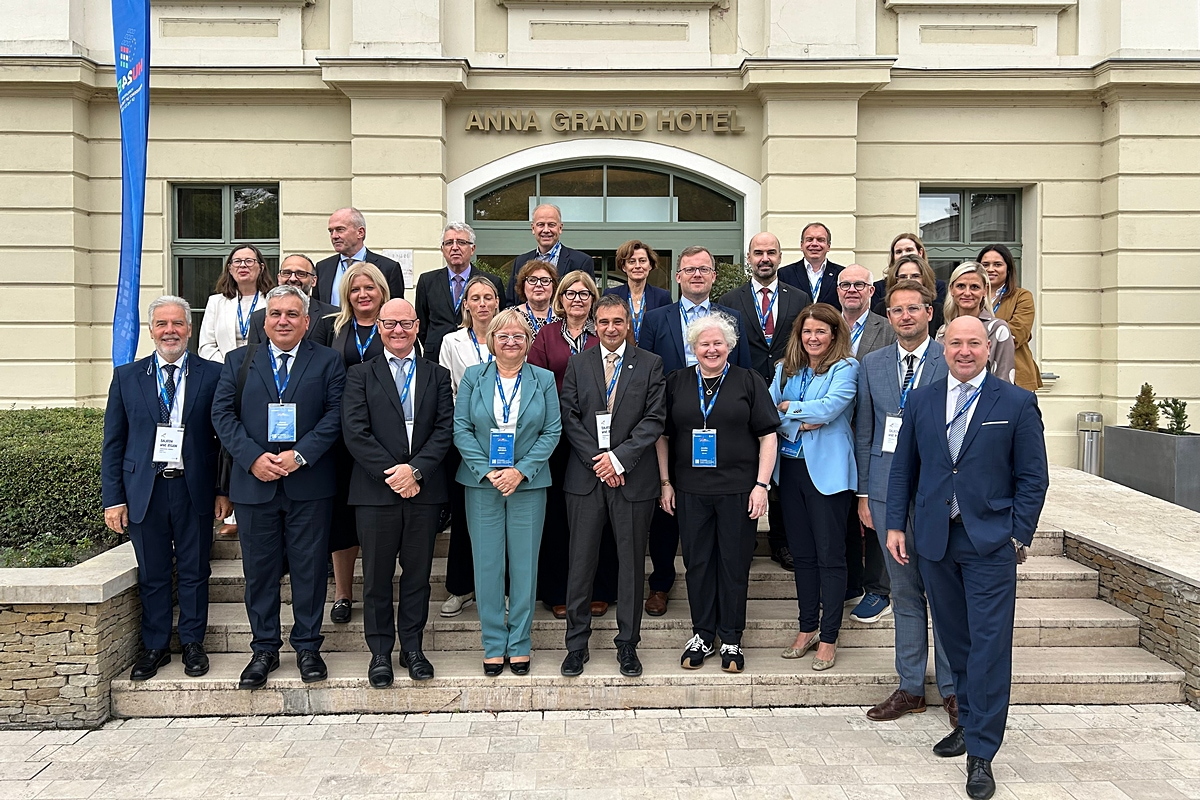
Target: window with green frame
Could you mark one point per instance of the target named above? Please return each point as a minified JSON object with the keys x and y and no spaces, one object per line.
{"x":209,"y":220}
{"x":956,"y":223}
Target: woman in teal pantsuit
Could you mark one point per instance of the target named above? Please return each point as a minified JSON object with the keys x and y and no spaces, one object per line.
{"x":506,"y":403}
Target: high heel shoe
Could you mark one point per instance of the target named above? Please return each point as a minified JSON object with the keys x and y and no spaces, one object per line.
{"x":519,"y":667}
{"x":797,"y":652}
{"x":492,"y":670}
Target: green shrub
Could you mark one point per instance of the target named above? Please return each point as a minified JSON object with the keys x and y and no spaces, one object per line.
{"x":1143,"y":416}
{"x":51,"y":513}
{"x":729,"y":277}
{"x":1176,"y":411}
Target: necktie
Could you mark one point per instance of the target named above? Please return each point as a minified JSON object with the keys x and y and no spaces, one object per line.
{"x":610,"y":367}
{"x":957,"y":429}
{"x":282,"y":373}
{"x":164,"y":408}
{"x":458,"y":286}
{"x":403,"y":367}
{"x":909,"y":361}
{"x":769,"y":325}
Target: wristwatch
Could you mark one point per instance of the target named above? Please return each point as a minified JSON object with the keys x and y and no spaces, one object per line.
{"x":416,"y":473}
{"x":299,"y":459}
{"x":763,"y":485}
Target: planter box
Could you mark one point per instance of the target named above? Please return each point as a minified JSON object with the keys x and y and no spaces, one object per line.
{"x":1159,"y":464}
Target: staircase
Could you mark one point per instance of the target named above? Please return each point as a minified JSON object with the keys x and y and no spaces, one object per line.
{"x":1069,"y":647}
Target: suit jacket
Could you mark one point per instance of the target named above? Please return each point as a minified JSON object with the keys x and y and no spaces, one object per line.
{"x":218,"y":326}
{"x":1000,"y":479}
{"x":795,"y":274}
{"x":662,"y":334}
{"x":788,"y":303}
{"x":551,"y":351}
{"x":877,"y":333}
{"x":639,"y":416}
{"x":435,"y":307}
{"x":321,"y":332}
{"x":315,"y":386}
{"x":131,"y":423}
{"x":539,"y":425}
{"x":879,"y":304}
{"x":377,"y":438}
{"x":327,"y":268}
{"x":829,"y":402}
{"x":1017,"y":309}
{"x":316,"y":310}
{"x":878,"y":396}
{"x":568,"y":261}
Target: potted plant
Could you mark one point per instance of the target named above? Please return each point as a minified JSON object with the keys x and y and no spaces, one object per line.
{"x":1164,"y":463}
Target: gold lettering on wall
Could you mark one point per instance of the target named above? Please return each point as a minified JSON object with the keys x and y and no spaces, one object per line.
{"x":605,"y":120}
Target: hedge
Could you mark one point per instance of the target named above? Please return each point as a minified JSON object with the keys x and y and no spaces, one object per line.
{"x":50,"y":508}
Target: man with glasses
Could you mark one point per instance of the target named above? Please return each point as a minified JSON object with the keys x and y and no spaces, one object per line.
{"x":398,"y":422}
{"x":348,"y":235}
{"x":815,"y":273}
{"x":547,"y":226}
{"x":663,"y":335}
{"x":295,"y":270}
{"x":440,"y":293}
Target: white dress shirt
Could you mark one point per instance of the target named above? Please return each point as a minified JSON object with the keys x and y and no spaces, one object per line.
{"x":335,"y":294}
{"x":514,"y":405}
{"x":685,"y":308}
{"x":918,"y":367}
{"x":814,"y":277}
{"x":618,"y":467}
{"x":177,"y":405}
{"x":952,"y":390}
{"x":396,"y":365}
{"x":771,"y":288}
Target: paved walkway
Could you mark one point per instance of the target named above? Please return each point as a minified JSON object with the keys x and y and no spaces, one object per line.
{"x":1068,"y":752}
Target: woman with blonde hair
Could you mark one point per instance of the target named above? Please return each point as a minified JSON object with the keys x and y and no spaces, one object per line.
{"x":969,"y":297}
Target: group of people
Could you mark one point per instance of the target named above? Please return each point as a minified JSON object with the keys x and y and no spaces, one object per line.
{"x":884,"y":428}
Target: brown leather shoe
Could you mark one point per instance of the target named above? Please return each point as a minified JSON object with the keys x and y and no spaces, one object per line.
{"x":896,"y":706}
{"x":656,"y":604}
{"x":599,"y":608}
{"x":559,"y":612}
{"x":950,"y":704}
{"x":227,"y":532}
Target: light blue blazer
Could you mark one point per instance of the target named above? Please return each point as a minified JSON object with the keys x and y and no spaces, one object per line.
{"x":829,"y":401}
{"x":538,"y":425}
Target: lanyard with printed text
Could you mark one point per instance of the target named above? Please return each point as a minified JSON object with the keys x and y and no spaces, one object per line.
{"x":965,"y":408}
{"x":706,"y":408}
{"x":507,"y":402}
{"x":244,"y":325}
{"x":162,"y":386}
{"x":764,"y":316}
{"x":360,"y":344}
{"x":475,"y":341}
{"x":908,"y":387}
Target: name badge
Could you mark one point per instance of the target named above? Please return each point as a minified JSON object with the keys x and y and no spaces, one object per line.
{"x":792,"y":448}
{"x":168,"y":444}
{"x":500,"y":449}
{"x":891,"y":432}
{"x":281,"y":422}
{"x":704,"y":447}
{"x":604,"y":429}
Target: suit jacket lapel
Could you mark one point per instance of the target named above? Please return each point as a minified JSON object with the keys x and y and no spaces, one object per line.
{"x":751,"y":308}
{"x":148,"y":380}
{"x":938,"y":410}
{"x":628,"y":365}
{"x":890,"y":376}
{"x":296,"y":370}
{"x":264,"y":365}
{"x":676,"y":331}
{"x":989,"y":393}
{"x":383,"y":373}
{"x":191,"y":387}
{"x":528,"y":388}
{"x":486,"y":389}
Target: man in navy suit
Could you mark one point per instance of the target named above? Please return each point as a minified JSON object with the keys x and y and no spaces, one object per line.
{"x":279,"y":430}
{"x":295,"y":270}
{"x":662,"y":334}
{"x":547,"y":227}
{"x":160,"y":406}
{"x":815,"y":273}
{"x":348,"y":235}
{"x":972,"y":456}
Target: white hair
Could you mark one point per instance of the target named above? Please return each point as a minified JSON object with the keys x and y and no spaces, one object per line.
{"x":715,"y":319}
{"x":288,"y":291}
{"x":169,"y":300}
{"x":460,"y":227}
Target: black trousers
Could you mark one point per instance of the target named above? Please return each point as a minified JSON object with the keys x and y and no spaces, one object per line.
{"x":776,"y":533}
{"x":298,"y":531}
{"x":816,"y":528}
{"x":404,"y":532}
{"x":460,"y":565}
{"x":865,"y":567}
{"x":718,"y":539}
{"x":172,"y":536}
{"x":590,"y":516}
{"x":664,"y":544}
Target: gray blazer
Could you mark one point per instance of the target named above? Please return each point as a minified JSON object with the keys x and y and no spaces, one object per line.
{"x":878,"y":396}
{"x":877,"y":333}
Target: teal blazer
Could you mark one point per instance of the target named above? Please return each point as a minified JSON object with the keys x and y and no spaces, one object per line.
{"x":829,"y":402}
{"x":538,"y":425}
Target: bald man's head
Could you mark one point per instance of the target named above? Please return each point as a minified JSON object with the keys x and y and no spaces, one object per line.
{"x":855,"y":288}
{"x":764,"y":256}
{"x":402,"y":318}
{"x":967,"y":347}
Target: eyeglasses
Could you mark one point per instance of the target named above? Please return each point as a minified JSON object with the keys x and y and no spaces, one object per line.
{"x":295,"y":273}
{"x":577,"y":294}
{"x":244,"y":262}
{"x":390,"y":324}
{"x":534,"y":280}
{"x":459,"y":242}
{"x":510,"y":338}
{"x":896,"y":311}
{"x":689,"y":271}
{"x":858,"y":286}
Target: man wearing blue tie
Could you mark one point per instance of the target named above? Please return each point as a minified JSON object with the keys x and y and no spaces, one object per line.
{"x":971,"y":456}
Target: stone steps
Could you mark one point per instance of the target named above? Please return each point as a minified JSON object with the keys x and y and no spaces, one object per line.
{"x":770,"y":624}
{"x":862,"y":676}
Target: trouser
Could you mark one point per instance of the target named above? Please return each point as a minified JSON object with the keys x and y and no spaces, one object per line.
{"x":865,"y":567}
{"x":401,"y":533}
{"x":270,"y":532}
{"x":460,"y":566}
{"x":172,"y":534}
{"x":663,"y":545}
{"x":776,"y":532}
{"x":718,"y":544}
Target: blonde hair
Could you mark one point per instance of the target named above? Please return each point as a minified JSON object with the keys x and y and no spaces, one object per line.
{"x":506,"y":319}
{"x":467,"y":321}
{"x":569,"y":280}
{"x":951,"y":308}
{"x":353,"y":270}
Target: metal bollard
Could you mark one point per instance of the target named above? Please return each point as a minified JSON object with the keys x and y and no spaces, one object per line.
{"x":1090,"y":427}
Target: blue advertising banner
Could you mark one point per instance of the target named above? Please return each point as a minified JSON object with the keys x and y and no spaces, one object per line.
{"x":131,"y":45}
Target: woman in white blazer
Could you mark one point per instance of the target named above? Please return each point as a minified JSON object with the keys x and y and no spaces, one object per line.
{"x":241,"y":290}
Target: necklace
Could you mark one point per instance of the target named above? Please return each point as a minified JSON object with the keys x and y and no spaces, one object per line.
{"x":710,"y":384}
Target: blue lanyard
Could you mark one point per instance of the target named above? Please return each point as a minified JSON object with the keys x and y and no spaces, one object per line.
{"x":162,"y":386}
{"x":552,"y":254}
{"x":360,"y":344}
{"x":965,"y":408}
{"x":613,"y":383}
{"x":533,"y":321}
{"x":763,"y":316}
{"x":904,"y":390}
{"x":244,"y":326}
{"x":507,"y":402}
{"x":706,"y":409}
{"x":856,"y":333}
{"x":475,"y":341}
{"x":999,"y":297}
{"x":275,"y":371}
{"x":806,"y":378}
{"x":817,"y":289}
{"x":409,"y":367}
{"x":638,"y":316}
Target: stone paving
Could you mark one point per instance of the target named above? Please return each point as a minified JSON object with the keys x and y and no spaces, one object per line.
{"x":1147,"y":752}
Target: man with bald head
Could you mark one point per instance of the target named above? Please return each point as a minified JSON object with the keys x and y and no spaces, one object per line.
{"x":398,"y":422}
{"x":348,"y":235}
{"x":547,"y":226}
{"x":971,"y":452}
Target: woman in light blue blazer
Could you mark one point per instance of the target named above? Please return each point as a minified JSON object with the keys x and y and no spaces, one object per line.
{"x":814,"y":388}
{"x":506,"y":425}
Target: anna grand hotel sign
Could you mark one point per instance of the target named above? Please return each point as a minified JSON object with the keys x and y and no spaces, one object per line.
{"x":604,"y":120}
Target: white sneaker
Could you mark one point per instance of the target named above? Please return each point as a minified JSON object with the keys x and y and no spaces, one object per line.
{"x":455,"y":604}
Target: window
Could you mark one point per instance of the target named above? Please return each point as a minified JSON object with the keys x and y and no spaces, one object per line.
{"x":957,"y":223}
{"x":209,"y":220}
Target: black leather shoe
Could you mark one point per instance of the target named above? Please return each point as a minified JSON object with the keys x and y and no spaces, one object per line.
{"x":419,"y":668}
{"x":953,"y":745}
{"x":492,"y":670}
{"x":519,"y":667}
{"x":572,"y":666}
{"x":262,"y":663}
{"x":980,"y":783}
{"x":627,"y":657}
{"x":311,"y":666}
{"x":783,"y":557}
{"x":195,"y":660}
{"x":147,"y":666}
{"x":340,"y":613}
{"x":379,"y":673}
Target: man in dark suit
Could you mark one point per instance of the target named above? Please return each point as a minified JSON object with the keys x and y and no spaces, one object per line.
{"x":774,"y":305}
{"x":158,"y":477}
{"x":972,"y":453}
{"x":296,"y":270}
{"x":547,"y":227}
{"x":440,"y":293}
{"x":398,"y":422}
{"x":613,"y":409}
{"x":280,"y":429}
{"x":814,"y":273}
{"x":348,"y":234}
{"x":662,"y":334}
